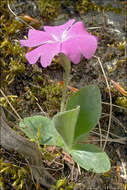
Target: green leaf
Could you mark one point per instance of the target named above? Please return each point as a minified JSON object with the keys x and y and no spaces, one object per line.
{"x":89,"y":100}
{"x":65,"y":123}
{"x":90,"y":157}
{"x":42,"y":129}
{"x":82,"y":138}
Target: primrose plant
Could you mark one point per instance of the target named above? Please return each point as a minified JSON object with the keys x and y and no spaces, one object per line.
{"x":71,"y":126}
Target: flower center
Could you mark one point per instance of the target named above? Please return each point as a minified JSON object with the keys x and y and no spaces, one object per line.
{"x":64,"y":36}
{"x":60,"y":38}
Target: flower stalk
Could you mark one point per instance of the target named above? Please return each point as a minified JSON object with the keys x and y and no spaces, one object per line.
{"x":67,"y":66}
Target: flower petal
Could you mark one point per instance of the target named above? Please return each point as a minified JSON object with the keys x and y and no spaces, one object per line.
{"x":36,"y":37}
{"x":76,"y":30}
{"x":84,"y":42}
{"x":46,"y":52}
{"x":87,"y":45}
{"x":70,"y":49}
{"x":57,"y":31}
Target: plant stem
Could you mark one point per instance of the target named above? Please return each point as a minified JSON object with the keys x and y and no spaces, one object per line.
{"x":67,"y":66}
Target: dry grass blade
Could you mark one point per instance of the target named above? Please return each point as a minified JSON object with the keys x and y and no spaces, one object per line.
{"x":119,"y":88}
{"x":110,"y":97}
{"x":43,"y":113}
{"x":115,"y":120}
{"x":118,"y":140}
{"x":10,"y":104}
{"x":100,"y":134}
{"x":123,"y":164}
{"x":114,"y":135}
{"x":106,"y":103}
{"x":17,"y":17}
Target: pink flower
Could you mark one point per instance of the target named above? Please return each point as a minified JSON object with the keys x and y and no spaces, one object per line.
{"x":71,"y":38}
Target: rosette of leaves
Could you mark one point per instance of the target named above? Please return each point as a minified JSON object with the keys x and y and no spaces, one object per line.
{"x":67,"y":129}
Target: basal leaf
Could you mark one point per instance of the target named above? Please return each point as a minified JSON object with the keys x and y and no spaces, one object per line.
{"x":42,"y":129}
{"x":65,"y":123}
{"x":89,"y":100}
{"x":90,"y":157}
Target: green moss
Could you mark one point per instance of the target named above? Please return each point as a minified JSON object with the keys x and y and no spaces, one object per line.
{"x":13,"y":27}
{"x":62,"y":184}
{"x":83,"y":6}
{"x":122,"y":101}
{"x":11,"y":99}
{"x":51,"y":93}
{"x":15,"y":174}
{"x":49,"y":8}
{"x":13,"y":56}
{"x":12,"y":48}
{"x":48,"y":96}
{"x":15,"y":67}
{"x":121,"y":45}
